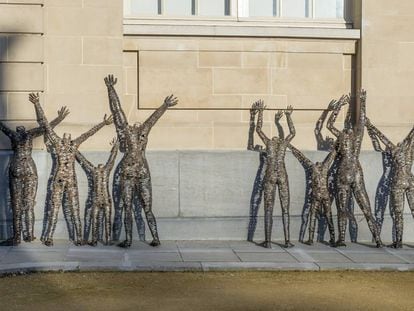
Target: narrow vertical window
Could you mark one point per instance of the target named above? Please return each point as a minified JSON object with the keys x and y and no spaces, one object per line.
{"x":213,"y":8}
{"x":177,"y":7}
{"x":295,"y":8}
{"x":329,"y":8}
{"x":262,"y":8}
{"x":144,"y":7}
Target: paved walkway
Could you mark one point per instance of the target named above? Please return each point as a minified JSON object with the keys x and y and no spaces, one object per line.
{"x":202,"y":256}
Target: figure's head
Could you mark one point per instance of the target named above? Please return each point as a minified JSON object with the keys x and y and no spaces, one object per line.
{"x":20,"y":129}
{"x":100,"y":166}
{"x":349,"y":131}
{"x":318,"y":165}
{"x":67,"y":137}
{"x":137,"y":125}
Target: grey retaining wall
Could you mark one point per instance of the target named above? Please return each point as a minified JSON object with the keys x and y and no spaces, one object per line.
{"x":205,"y":195}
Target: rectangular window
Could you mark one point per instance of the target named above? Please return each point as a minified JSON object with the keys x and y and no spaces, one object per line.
{"x":213,"y":8}
{"x":144,"y":7}
{"x":295,"y":8}
{"x":329,"y":8}
{"x":262,"y":8}
{"x":177,"y":7}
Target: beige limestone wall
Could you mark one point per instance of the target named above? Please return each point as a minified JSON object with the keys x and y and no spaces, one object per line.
{"x":21,"y":59}
{"x":387,"y":64}
{"x":216,"y":81}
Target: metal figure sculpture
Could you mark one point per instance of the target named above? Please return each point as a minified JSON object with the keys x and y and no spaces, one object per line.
{"x":64,"y":185}
{"x":319,"y":193}
{"x":135,"y":174}
{"x":402,"y":179}
{"x":275,"y":175}
{"x":101,"y":209}
{"x":332,"y":185}
{"x":384,"y":185}
{"x":350,"y":178}
{"x":23,"y":177}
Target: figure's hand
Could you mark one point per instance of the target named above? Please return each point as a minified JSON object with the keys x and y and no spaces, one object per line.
{"x":34,"y":98}
{"x":108,"y":120}
{"x":110,"y":80}
{"x":279,"y":115}
{"x":63,"y":112}
{"x":259,"y":105}
{"x":332,"y":105}
{"x":171,"y":101}
{"x":363,"y":95}
{"x":288,"y":111}
{"x":255,"y":107}
{"x":114,"y":141}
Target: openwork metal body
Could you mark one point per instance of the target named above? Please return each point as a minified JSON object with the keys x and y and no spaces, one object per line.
{"x":64,"y":187}
{"x":23,"y":177}
{"x":101,"y":206}
{"x":134,"y":170}
{"x":275,"y":174}
{"x":320,"y":198}
{"x":350,"y":178}
{"x":402,"y":179}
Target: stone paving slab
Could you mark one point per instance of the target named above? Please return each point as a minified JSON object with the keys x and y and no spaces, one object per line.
{"x":202,"y":256}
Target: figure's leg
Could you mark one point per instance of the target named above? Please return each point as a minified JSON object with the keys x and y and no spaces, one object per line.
{"x":344,"y":195}
{"x":284,"y":197}
{"x":306,"y":209}
{"x":118,"y":206}
{"x":73,"y":200}
{"x":397,"y":209}
{"x":353,"y":224}
{"x":362,"y":199}
{"x":87,"y":222}
{"x":145,"y":196}
{"x":95,"y":221}
{"x":30,"y":189}
{"x":127,"y":192}
{"x":107,"y":219}
{"x":410,"y":198}
{"x":16,"y":194}
{"x":326,"y":205}
{"x":56,"y":202}
{"x":312,"y":221}
{"x":256,"y":199}
{"x":269,"y":201}
{"x":139,"y":220}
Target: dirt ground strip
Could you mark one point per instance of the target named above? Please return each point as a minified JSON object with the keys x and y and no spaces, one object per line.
{"x":209,"y":291}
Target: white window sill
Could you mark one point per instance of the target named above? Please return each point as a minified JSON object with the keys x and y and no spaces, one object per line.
{"x":231,"y":27}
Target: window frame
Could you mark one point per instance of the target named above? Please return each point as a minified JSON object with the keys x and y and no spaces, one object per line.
{"x":239,"y":11}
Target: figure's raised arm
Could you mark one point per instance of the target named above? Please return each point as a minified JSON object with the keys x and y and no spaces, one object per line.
{"x":250,"y":142}
{"x":259,"y":125}
{"x":292,"y":131}
{"x":306,"y":163}
{"x":62,"y":114}
{"x":334,"y":115}
{"x":278,"y":115}
{"x":169,"y":101}
{"x":42,"y":120}
{"x":120,"y":119}
{"x":86,"y":165}
{"x":410,"y":137}
{"x":7,"y":131}
{"x":374,"y":131}
{"x":374,"y":138}
{"x":92,"y":131}
{"x":327,"y":162}
{"x":114,"y":151}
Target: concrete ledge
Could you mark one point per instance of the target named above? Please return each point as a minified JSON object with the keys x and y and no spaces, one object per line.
{"x":202,"y":256}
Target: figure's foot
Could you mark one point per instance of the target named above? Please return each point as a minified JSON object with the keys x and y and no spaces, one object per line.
{"x":48,"y":242}
{"x":266,"y":244}
{"x":332,"y":243}
{"x":155,"y":242}
{"x":340,"y":243}
{"x":78,"y":242}
{"x":93,"y":243}
{"x":380,"y":245}
{"x":354,"y":241}
{"x":29,"y":238}
{"x":308,"y":242}
{"x":125,"y":244}
{"x":108,"y":243}
{"x":288,"y":244}
{"x":396,"y":245}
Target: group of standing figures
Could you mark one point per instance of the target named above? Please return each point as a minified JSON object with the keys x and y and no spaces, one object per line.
{"x":338,"y":177}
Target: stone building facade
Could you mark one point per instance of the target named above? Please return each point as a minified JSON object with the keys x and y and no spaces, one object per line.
{"x":217,"y":66}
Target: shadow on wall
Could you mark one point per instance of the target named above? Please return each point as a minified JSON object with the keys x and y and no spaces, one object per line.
{"x":6,"y":215}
